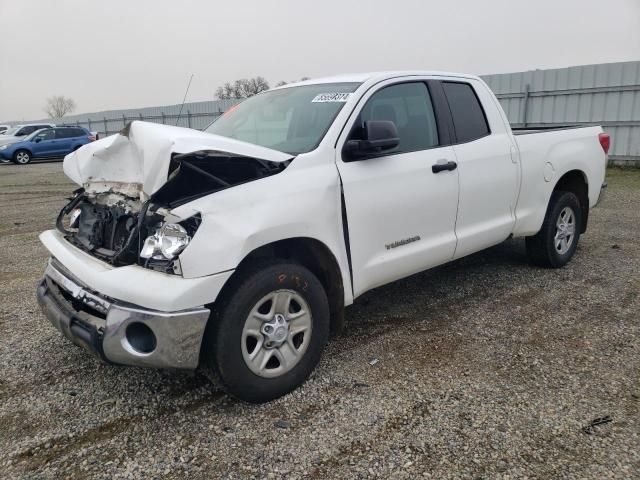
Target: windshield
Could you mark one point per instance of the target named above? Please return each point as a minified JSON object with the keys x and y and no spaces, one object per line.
{"x":10,"y":131}
{"x":292,"y":120}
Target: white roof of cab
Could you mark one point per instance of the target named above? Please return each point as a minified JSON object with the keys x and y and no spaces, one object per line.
{"x":374,"y":77}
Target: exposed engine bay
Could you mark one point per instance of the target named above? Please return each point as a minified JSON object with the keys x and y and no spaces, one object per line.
{"x":122,"y":226}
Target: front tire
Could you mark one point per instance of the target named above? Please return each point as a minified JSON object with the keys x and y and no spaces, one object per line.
{"x":556,"y":242}
{"x":269,"y":332}
{"x":22,"y":157}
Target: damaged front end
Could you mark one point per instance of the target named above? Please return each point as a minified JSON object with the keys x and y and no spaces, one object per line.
{"x":119,"y":224}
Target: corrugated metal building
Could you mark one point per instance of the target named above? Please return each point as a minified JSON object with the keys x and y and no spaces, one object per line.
{"x":606,"y":94}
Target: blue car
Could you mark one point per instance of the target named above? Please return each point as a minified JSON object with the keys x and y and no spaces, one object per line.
{"x":46,"y":143}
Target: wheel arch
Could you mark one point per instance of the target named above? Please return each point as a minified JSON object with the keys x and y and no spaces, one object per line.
{"x":310,"y":253}
{"x":576,"y":182}
{"x":20,"y":149}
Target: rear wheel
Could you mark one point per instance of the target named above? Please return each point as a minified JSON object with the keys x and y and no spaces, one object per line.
{"x":556,"y":242}
{"x":269,"y":332}
{"x":22,"y":157}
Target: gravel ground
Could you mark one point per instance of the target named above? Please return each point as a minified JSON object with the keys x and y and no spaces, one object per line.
{"x":486,"y":368}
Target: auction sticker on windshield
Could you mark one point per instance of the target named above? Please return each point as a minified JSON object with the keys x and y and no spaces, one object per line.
{"x":331,"y":97}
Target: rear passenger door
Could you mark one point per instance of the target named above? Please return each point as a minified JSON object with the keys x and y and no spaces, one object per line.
{"x":64,"y":140}
{"x":487,"y":164}
{"x":400,"y":212}
{"x":77,"y":138}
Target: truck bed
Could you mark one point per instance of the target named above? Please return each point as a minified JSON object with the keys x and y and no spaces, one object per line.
{"x":544,"y":156}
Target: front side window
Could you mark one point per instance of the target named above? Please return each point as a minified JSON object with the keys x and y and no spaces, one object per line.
{"x":469,"y":120}
{"x":43,"y":134}
{"x":292,"y":120}
{"x":408,"y":105}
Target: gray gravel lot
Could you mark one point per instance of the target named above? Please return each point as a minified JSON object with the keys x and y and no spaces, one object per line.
{"x":487,"y":368}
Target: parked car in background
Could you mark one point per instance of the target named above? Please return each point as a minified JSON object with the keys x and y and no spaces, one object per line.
{"x":24,"y":130}
{"x":46,"y":143}
{"x":4,"y":128}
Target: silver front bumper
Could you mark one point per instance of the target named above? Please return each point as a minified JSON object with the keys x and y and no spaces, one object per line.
{"x":118,"y":332}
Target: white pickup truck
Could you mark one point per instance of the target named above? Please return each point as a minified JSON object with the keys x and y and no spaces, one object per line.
{"x":236,"y":249}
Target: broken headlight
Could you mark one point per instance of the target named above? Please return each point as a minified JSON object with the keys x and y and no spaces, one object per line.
{"x":74,"y":217}
{"x":166,"y":243}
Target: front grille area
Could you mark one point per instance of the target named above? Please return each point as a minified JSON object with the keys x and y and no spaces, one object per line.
{"x":103,"y":229}
{"x":106,"y":231}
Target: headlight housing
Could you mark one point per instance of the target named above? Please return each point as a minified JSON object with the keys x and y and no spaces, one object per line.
{"x":4,"y":147}
{"x":166,"y":243}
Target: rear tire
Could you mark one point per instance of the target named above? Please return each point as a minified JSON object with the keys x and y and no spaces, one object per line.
{"x":22,"y":157}
{"x":556,"y":242}
{"x":269,"y":332}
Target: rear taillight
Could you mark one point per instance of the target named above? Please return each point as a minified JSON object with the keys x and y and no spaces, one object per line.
{"x":92,"y":138}
{"x":605,"y":141}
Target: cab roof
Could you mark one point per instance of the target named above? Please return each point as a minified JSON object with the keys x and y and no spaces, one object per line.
{"x":375,"y":77}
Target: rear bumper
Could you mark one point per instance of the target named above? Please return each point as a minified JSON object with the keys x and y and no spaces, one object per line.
{"x":601,"y":196}
{"x":117,"y":332}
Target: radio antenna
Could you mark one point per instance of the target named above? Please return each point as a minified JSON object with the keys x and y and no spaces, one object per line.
{"x":183,"y":100}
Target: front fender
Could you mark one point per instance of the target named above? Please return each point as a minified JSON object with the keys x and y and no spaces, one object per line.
{"x":299,"y":202}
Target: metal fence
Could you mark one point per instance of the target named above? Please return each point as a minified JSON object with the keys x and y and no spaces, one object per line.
{"x":198,"y":115}
{"x":113,"y":124}
{"x":605,"y":94}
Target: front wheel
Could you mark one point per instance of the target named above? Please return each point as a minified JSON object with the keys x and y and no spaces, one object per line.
{"x":269,"y":332}
{"x":556,"y":242}
{"x":22,"y":157}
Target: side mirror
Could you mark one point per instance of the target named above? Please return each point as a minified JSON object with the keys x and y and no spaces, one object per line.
{"x":381,"y":136}
{"x":37,"y":139}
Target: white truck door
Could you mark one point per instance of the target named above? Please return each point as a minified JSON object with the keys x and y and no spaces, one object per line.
{"x":488,"y":168}
{"x":401,"y":215}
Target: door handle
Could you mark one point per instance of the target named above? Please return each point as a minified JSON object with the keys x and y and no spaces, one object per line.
{"x":440,"y":167}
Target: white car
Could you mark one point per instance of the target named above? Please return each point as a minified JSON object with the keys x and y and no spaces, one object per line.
{"x":4,"y":128}
{"x":237,"y":249}
{"x":17,"y":133}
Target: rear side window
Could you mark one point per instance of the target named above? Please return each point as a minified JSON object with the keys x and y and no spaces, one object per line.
{"x":68,"y":132}
{"x":469,"y":119}
{"x":408,"y":105}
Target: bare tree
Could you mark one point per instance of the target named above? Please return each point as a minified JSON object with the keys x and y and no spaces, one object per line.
{"x":58,"y":106}
{"x":243,"y":88}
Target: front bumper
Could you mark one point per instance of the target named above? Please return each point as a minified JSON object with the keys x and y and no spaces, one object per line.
{"x":118,"y":332}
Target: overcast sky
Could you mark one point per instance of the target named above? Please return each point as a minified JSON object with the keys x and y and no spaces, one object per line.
{"x":125,"y":53}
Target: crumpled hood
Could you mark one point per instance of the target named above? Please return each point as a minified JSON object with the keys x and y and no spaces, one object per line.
{"x":140,"y":155}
